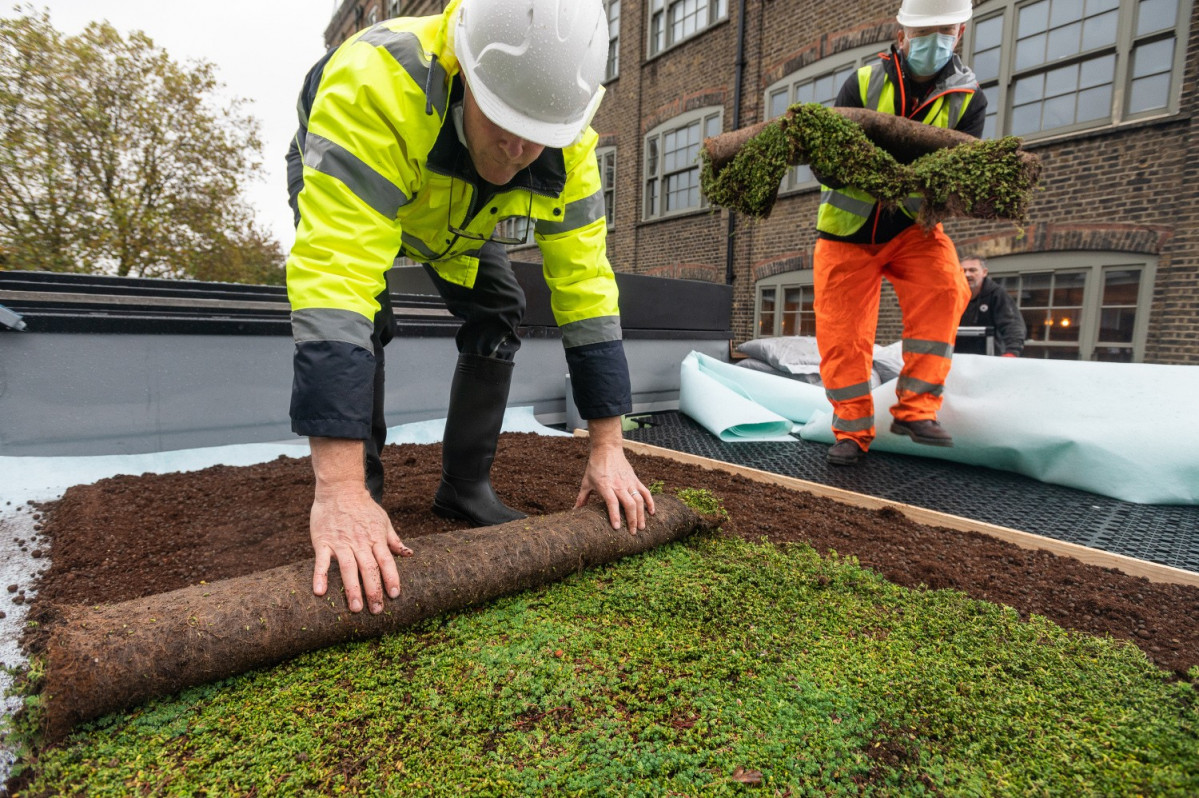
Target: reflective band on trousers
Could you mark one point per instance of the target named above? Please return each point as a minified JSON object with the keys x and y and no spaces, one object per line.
{"x":913,"y":385}
{"x":917,"y":346}
{"x":848,"y":392}
{"x":327,"y":324}
{"x":853,"y":425}
{"x":591,"y":331}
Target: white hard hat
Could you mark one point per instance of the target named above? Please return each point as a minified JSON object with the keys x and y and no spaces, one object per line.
{"x":535,"y":66}
{"x":933,"y":13}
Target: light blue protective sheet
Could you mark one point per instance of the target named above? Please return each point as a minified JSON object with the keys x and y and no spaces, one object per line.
{"x":738,"y":404}
{"x":1125,"y":430}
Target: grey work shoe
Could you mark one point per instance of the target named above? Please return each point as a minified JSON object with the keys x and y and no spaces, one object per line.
{"x":845,"y":452}
{"x":927,"y":431}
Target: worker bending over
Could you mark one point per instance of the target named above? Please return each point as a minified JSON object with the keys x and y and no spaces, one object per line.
{"x":421,"y":137}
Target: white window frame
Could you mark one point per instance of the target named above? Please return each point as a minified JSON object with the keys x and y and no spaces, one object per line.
{"x":655,"y":176}
{"x":612,"y":70}
{"x":372,"y":16}
{"x":517,"y":227}
{"x":779,"y":284}
{"x":799,"y":178}
{"x":1000,"y":88}
{"x":1095,"y":266}
{"x":393,"y":8}
{"x":662,"y":32}
{"x":605,"y":157}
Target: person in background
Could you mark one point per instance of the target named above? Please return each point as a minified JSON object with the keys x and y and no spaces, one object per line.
{"x":991,"y":306}
{"x":860,"y":242}
{"x":421,"y":137}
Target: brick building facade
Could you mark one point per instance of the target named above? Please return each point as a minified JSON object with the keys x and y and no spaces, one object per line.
{"x":1104,"y":92}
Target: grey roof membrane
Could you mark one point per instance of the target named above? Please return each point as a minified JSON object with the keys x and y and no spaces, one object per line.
{"x":1166,"y":534}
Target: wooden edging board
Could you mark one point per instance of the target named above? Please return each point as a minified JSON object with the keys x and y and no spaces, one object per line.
{"x":1132,"y":566}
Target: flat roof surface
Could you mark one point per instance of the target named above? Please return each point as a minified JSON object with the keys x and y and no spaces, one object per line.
{"x":1165,"y":534}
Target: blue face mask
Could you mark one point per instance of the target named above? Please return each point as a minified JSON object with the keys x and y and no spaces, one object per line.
{"x":927,"y":54}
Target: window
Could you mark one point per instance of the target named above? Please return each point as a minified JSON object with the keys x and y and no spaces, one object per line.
{"x":1076,"y":305}
{"x":607,"y":169}
{"x":514,"y":227}
{"x":672,"y":162}
{"x":784,"y":306}
{"x":1051,"y":304}
{"x":675,"y":21}
{"x":1081,"y":305}
{"x":613,"y":68}
{"x":393,"y":8}
{"x":815,"y":83}
{"x":372,"y":17}
{"x":1064,"y":65}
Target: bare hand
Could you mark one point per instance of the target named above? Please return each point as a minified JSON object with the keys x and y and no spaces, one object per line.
{"x":610,"y":475}
{"x":350,"y":526}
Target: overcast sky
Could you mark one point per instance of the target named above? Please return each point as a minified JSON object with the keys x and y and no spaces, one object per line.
{"x":261,"y":48}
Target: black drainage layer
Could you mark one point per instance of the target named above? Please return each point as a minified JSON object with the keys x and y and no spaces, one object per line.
{"x":1166,"y":534}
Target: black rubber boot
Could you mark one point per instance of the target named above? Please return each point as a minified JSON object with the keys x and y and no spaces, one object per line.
{"x":478,"y":396}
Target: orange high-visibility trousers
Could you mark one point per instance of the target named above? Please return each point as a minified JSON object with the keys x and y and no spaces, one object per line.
{"x":932,"y":292}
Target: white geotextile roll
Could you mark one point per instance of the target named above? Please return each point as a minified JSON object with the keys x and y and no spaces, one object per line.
{"x":1125,"y":430}
{"x":738,"y":404}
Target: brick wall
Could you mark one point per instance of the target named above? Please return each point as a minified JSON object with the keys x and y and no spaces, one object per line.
{"x":780,"y":37}
{"x":1131,"y":189}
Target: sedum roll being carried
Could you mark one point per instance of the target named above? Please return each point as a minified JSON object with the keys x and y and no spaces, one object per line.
{"x":888,"y":156}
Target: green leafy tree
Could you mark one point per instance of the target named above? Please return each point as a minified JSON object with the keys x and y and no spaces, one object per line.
{"x":115,"y":159}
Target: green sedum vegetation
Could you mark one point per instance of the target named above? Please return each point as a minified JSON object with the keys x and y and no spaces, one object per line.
{"x":701,"y":668}
{"x":986,"y":179}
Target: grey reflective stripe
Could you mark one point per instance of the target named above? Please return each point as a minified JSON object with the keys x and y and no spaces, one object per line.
{"x":591,"y":331}
{"x":327,"y":324}
{"x":848,"y":392}
{"x":579,"y":213}
{"x":956,"y":103}
{"x":406,"y":49}
{"x":414,"y":244}
{"x":918,"y":386}
{"x":874,"y":89}
{"x":853,"y":425}
{"x":844,"y":202}
{"x":961,"y":77}
{"x":913,"y":204}
{"x":416,"y":248}
{"x":919,"y":347}
{"x":368,"y":185}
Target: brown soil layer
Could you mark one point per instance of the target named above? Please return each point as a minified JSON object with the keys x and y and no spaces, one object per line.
{"x":132,"y":536}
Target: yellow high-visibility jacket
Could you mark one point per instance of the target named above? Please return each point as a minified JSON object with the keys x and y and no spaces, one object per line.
{"x":844,"y":210}
{"x":383,"y":175}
